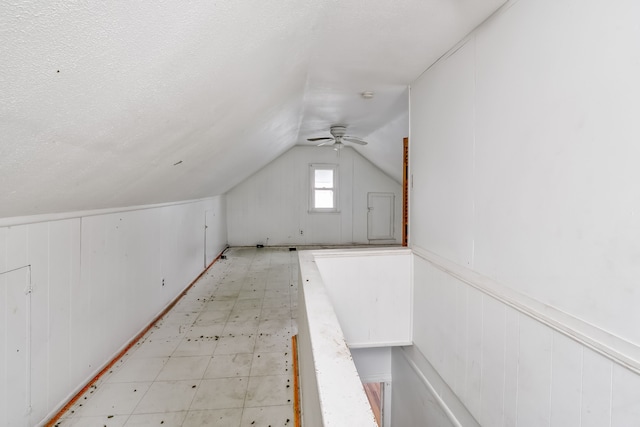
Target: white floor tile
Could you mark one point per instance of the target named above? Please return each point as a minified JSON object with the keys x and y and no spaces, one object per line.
{"x":220,"y":393}
{"x":275,"y":291}
{"x":229,"y":365}
{"x":205,"y":332}
{"x":268,"y":416}
{"x":276,"y":303}
{"x":231,"y":344}
{"x":196,"y":347}
{"x":156,"y":348}
{"x":271,"y":364}
{"x":272,"y":343}
{"x":248,"y":304}
{"x":269,"y":391}
{"x":214,"y":418}
{"x":114,"y":399}
{"x":223,"y":305}
{"x":272,"y":313}
{"x":168,"y":332}
{"x":245,"y":315}
{"x":168,"y":419}
{"x":167,"y":396}
{"x":184,"y":368}
{"x":251,"y":294}
{"x":107,"y":421}
{"x":276,"y":326}
{"x":212,"y":317}
{"x":177,"y":318}
{"x":241,"y":328}
{"x":142,"y":369}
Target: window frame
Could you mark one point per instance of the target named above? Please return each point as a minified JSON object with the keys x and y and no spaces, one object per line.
{"x":312,"y":188}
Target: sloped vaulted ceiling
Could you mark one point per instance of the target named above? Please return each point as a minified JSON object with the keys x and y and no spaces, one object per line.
{"x":113,"y":103}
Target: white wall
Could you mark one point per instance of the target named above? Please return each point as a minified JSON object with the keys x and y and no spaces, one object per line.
{"x":524,"y":148}
{"x":509,"y":366}
{"x":371,"y":293}
{"x":98,"y":278}
{"x":273,"y":203}
{"x":421,"y":402}
{"x":373,"y":364}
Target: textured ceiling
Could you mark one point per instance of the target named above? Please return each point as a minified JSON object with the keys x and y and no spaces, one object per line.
{"x":107,"y":104}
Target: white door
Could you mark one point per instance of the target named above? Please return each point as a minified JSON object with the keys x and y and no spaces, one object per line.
{"x":380,"y":208}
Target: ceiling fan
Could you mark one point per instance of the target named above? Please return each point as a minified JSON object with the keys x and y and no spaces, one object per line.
{"x":338,"y":135}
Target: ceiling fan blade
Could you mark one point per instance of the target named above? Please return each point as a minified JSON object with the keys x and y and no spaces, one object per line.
{"x":322,"y":143}
{"x":355,"y":140}
{"x":326,"y":138}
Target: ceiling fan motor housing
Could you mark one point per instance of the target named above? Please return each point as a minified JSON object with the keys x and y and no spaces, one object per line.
{"x":338,"y":131}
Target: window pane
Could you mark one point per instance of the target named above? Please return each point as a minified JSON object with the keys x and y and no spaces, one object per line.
{"x":324,"y":178}
{"x":324,"y":199}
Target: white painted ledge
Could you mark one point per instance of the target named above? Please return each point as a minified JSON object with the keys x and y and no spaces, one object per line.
{"x":331,"y":390}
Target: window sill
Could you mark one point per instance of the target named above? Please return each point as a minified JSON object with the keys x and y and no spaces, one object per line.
{"x":327,"y":212}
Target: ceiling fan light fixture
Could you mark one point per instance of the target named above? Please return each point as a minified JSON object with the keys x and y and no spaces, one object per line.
{"x":337,"y":135}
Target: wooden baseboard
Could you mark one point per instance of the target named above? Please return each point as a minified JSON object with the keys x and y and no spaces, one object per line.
{"x":296,"y":384}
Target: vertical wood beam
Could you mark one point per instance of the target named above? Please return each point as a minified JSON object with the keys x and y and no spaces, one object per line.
{"x":405,"y":192}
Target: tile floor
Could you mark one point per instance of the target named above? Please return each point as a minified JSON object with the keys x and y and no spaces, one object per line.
{"x":220,"y":357}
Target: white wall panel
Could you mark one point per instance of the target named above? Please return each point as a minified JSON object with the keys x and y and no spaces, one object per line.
{"x":373,"y":364}
{"x":523,"y":154}
{"x":554,"y":156}
{"x":460,"y":329}
{"x":79,"y":310}
{"x":511,"y":361}
{"x":4,"y":294}
{"x":96,"y":280}
{"x":17,"y":331}
{"x":442,"y":156}
{"x":566,"y":383}
{"x":493,"y":362}
{"x":534,"y":373}
{"x":64,"y":251}
{"x":38,"y":254}
{"x":474,"y":367}
{"x":272,"y":206}
{"x":596,"y":390}
{"x":413,"y":404}
{"x":511,"y":369}
{"x":524,"y":161}
{"x":371,"y":294}
{"x":625,"y":405}
{"x":523,"y":148}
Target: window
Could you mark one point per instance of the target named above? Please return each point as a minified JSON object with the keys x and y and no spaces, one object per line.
{"x":324,"y":189}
